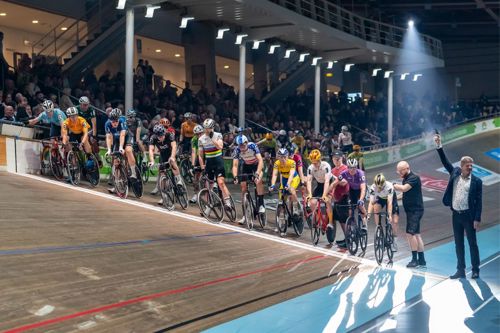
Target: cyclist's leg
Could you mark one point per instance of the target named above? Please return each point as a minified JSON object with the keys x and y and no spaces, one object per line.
{"x":292,"y":188}
{"x":395,"y":216}
{"x":129,"y":152}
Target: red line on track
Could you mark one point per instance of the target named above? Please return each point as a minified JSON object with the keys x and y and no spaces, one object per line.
{"x":157,"y":295}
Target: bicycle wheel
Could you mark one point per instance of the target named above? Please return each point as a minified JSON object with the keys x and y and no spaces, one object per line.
{"x":182,"y":195}
{"x":92,"y":174}
{"x":144,"y":172}
{"x":378,"y":244}
{"x":363,"y":235}
{"x":46,"y":166}
{"x":248,"y":211}
{"x":137,"y":185}
{"x":230,"y":210}
{"x":298,"y":223}
{"x":74,"y":170}
{"x":167,"y":192}
{"x":350,"y":236}
{"x":56,"y":165}
{"x":315,"y":227}
{"x":211,"y":206}
{"x":389,"y":240}
{"x":281,"y":218}
{"x":120,"y":179}
{"x":186,"y":170}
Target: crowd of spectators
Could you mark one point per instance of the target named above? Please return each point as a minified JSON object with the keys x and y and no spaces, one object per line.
{"x":34,"y":81}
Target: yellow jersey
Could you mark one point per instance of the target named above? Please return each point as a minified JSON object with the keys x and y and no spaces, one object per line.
{"x":187,"y":129}
{"x":285,"y":168}
{"x":78,"y":127}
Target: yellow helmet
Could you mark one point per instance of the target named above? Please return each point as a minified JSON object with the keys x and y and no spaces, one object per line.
{"x":379,"y":180}
{"x":356,"y":147}
{"x":315,"y":155}
{"x":269,"y":136}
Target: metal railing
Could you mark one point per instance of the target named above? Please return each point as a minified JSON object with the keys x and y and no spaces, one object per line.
{"x":374,"y":31}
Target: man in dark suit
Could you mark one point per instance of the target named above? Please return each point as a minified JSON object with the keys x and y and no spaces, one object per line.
{"x":464,"y":196}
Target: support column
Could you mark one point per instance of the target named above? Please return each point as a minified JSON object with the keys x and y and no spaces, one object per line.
{"x":317,"y":91}
{"x":390,"y":100}
{"x":129,"y":59}
{"x":260,"y":69}
{"x":241,"y":105}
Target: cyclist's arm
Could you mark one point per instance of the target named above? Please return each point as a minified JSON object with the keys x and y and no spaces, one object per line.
{"x":34,"y":121}
{"x":219,"y":144}
{"x":260,"y":164}
{"x":138,"y":134}
{"x":309,"y":185}
{"x":109,"y":140}
{"x":94,"y":126}
{"x":123,"y":133}
{"x":327,"y":184}
{"x":389,"y":205}
{"x":274,"y":177}
{"x":363,"y":191}
{"x":85,"y":137}
{"x":174,"y":150}
{"x":333,"y":184}
{"x":235,"y":167}
{"x":193,"y":156}
{"x":151,"y":153}
{"x":64,"y":134}
{"x":200,"y":156}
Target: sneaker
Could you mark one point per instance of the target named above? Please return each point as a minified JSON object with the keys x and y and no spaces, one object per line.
{"x":111,"y":190}
{"x":154,"y":191}
{"x":241,"y":221}
{"x":283,"y":234}
{"x":412,"y":264}
{"x":342,"y":244}
{"x":262,"y":209}
{"x":422,"y":264}
{"x":194,"y":199}
{"x":329,"y":233}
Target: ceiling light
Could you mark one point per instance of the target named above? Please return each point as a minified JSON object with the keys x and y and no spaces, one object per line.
{"x":239,"y":38}
{"x":335,"y":61}
{"x":256,"y":44}
{"x":303,"y":56}
{"x":411,"y":23}
{"x":184,"y":21}
{"x":3,"y":14}
{"x":34,"y":21}
{"x":347,"y":67}
{"x":329,"y":74}
{"x":330,"y":65}
{"x":315,"y":60}
{"x":220,"y":33}
{"x":177,"y":55}
{"x":157,"y":50}
{"x":272,"y":48}
{"x":288,"y":52}
{"x":226,"y":66}
{"x":64,"y":28}
{"x":121,"y":4}
{"x":375,"y":71}
{"x":150,"y":10}
{"x":404,"y":75}
{"x":387,"y":74}
{"x":416,"y":76}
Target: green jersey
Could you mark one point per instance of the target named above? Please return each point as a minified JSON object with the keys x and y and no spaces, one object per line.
{"x":87,"y":115}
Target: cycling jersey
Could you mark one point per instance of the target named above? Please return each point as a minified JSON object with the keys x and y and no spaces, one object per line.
{"x":57,"y":117}
{"x":87,"y":115}
{"x":133,"y":124}
{"x":194,"y":143}
{"x":115,"y":131}
{"x":355,"y":180}
{"x":164,"y":145}
{"x":76,"y":127}
{"x":321,"y":173}
{"x":298,"y":160}
{"x":284,"y":168}
{"x":383,"y":193}
{"x":340,"y":191}
{"x":207,"y":144}
{"x":248,"y":156}
{"x":187,"y":129}
{"x":268,"y":144}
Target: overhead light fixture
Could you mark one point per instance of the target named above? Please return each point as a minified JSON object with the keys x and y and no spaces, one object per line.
{"x":416,"y":76}
{"x":375,"y":71}
{"x":121,"y":4}
{"x":272,"y":48}
{"x":411,"y":23}
{"x":226,"y":66}
{"x":158,"y":50}
{"x":288,"y":52}
{"x":330,"y":65}
{"x":315,"y":60}
{"x":177,"y":55}
{"x":335,"y":61}
{"x":3,"y":14}
{"x":303,"y":56}
{"x":239,"y":38}
{"x":347,"y":67}
{"x":34,"y":21}
{"x":184,"y":21}
{"x":329,"y":74}
{"x":64,"y":28}
{"x":150,"y":10}
{"x":220,"y":32}
{"x":404,"y":75}
{"x":387,"y":74}
{"x":256,"y":44}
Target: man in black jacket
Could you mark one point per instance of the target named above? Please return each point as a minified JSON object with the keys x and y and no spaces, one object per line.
{"x":464,"y":196}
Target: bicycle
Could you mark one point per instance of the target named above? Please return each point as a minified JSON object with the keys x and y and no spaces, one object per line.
{"x":320,"y":222}
{"x":355,"y":237}
{"x":250,"y":209}
{"x":383,"y":238}
{"x":209,"y":202}
{"x":185,"y":167}
{"x":55,"y":159}
{"x":284,"y":218}
{"x":169,"y":189}
{"x":142,"y":164}
{"x":77,"y":161}
{"x":121,"y":177}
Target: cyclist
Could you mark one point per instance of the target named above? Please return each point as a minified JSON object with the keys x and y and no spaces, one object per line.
{"x":87,"y":112}
{"x":54,"y":116}
{"x":283,"y":141}
{"x":339,"y":193}
{"x":117,"y":138}
{"x":134,"y":126}
{"x":345,"y":140}
{"x":166,"y":123}
{"x":210,"y":146}
{"x":357,"y":186}
{"x":382,"y":196}
{"x":321,"y":172}
{"x":357,"y":155}
{"x":268,"y":144}
{"x":290,"y":179}
{"x":198,"y":131}
{"x":298,"y":163}
{"x":187,"y":133}
{"x":252,"y":164}
{"x":75,"y":128}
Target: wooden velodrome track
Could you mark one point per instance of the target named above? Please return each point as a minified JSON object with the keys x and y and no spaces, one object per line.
{"x":77,"y":259}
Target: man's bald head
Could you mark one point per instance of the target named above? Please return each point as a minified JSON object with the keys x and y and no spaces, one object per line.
{"x":403,"y":168}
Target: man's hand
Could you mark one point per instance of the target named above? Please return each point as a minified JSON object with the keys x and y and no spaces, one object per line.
{"x":151,"y":164}
{"x":361,"y":203}
{"x":235,"y":180}
{"x":108,"y":153}
{"x":476,"y":225}
{"x":211,"y":135}
{"x":437,"y":140}
{"x":121,"y":150}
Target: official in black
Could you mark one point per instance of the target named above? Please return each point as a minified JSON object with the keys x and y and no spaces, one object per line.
{"x":464,"y":196}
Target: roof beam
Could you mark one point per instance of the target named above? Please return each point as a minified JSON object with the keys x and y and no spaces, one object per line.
{"x":481,"y":4}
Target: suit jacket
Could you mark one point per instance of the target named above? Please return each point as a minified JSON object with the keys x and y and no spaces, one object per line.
{"x":475,"y":199}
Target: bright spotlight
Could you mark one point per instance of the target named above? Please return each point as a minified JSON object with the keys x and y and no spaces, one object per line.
{"x":288,"y":52}
{"x":404,"y":75}
{"x":239,"y":38}
{"x":330,"y":65}
{"x":184,"y":21}
{"x":315,"y":60}
{"x":375,"y":71}
{"x":387,"y":74}
{"x":347,"y":67}
{"x":256,"y":44}
{"x":220,"y":33}
{"x":416,"y":76}
{"x":121,"y":4}
{"x":150,"y":10}
{"x":303,"y":56}
{"x":272,"y":48}
{"x":411,"y":23}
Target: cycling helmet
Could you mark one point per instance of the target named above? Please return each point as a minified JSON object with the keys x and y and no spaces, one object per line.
{"x":356,"y":147}
{"x":47,"y":105}
{"x":131,"y":113}
{"x":269,"y":136}
{"x":344,"y":128}
{"x":84,"y":100}
{"x":165,"y":122}
{"x":352,"y":163}
{"x":187,"y":115}
{"x":282,"y":152}
{"x":209,"y":123}
{"x":241,"y":139}
{"x":315,"y":155}
{"x":379,"y":180}
{"x":282,"y":133}
{"x":159,"y":130}
{"x":115,"y":114}
{"x":72,"y":111}
{"x":198,"y":129}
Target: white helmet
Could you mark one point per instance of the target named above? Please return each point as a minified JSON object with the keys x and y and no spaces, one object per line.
{"x":344,"y":128}
{"x":71,"y":111}
{"x":241,"y":139}
{"x":47,"y":105}
{"x":84,"y":100}
{"x":282,"y":132}
{"x":352,"y":163}
{"x":198,"y":129}
{"x":209,"y":123}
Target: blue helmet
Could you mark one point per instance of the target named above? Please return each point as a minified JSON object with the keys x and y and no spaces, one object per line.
{"x":131,"y":113}
{"x":241,"y":139}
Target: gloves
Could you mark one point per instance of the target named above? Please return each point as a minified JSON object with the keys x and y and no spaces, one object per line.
{"x":271,"y":188}
{"x":361,"y":203}
{"x":235,"y":180}
{"x":80,"y":146}
{"x":122,"y":151}
{"x":211,"y":135}
{"x":108,"y":153}
{"x":151,"y":164}
{"x":308,"y":197}
{"x":324,"y":198}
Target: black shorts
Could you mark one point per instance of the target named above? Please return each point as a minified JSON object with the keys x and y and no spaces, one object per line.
{"x":341,"y":210}
{"x":354,"y":196}
{"x":55,"y":130}
{"x":116,"y":142}
{"x":318,"y":190}
{"x":75,"y":137}
{"x":383,"y":203}
{"x":215,"y":168}
{"x":165,"y":155}
{"x":413,"y":221}
{"x":248,"y":169}
{"x":186,"y":145}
